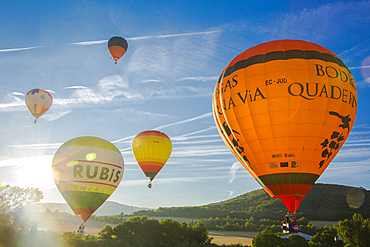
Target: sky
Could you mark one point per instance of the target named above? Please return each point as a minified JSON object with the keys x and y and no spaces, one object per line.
{"x":176,"y":52}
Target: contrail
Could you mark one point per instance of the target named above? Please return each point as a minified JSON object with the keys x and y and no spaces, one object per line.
{"x":90,"y":42}
{"x":173,"y":35}
{"x":99,"y":42}
{"x":361,"y":67}
{"x":20,"y":49}
{"x":185,"y":121}
{"x":167,"y":125}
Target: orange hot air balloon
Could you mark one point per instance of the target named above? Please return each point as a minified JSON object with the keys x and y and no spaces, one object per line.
{"x":87,"y":170}
{"x":151,"y":149}
{"x":38,"y":101}
{"x":285,"y":109}
{"x":117,"y":47}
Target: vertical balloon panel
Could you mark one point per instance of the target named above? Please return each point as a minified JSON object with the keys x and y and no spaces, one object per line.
{"x":293,"y":104}
{"x":87,"y":170}
{"x":227,"y":134}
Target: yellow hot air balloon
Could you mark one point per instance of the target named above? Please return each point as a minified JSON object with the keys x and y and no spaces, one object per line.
{"x":285,"y":108}
{"x":151,"y":149}
{"x":87,"y":170}
{"x":38,"y":101}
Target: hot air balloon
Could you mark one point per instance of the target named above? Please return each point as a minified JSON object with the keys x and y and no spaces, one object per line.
{"x":38,"y":101}
{"x":3,"y":186}
{"x":117,"y":47}
{"x":87,"y":170}
{"x":151,"y":149}
{"x":285,"y":108}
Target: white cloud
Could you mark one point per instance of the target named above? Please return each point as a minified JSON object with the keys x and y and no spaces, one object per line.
{"x":354,"y":152}
{"x":75,"y":87}
{"x":200,"y":151}
{"x":199,"y":78}
{"x":230,"y":192}
{"x":195,"y":142}
{"x":191,"y":52}
{"x":132,"y":115}
{"x":233,"y":169}
{"x":35,"y":146}
{"x":141,"y":182}
{"x":16,"y":94}
{"x":54,"y":115}
{"x":324,"y":23}
{"x":108,"y":89}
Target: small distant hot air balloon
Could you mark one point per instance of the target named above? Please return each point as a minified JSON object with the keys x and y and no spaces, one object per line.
{"x":117,"y":47}
{"x":87,"y":170}
{"x":3,"y":186}
{"x":285,"y":108}
{"x":151,"y":149}
{"x":38,"y":101}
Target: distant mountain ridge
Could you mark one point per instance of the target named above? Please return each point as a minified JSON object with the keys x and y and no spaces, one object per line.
{"x":323,"y":202}
{"x":108,"y":208}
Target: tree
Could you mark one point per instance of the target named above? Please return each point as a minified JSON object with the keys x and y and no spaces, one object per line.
{"x":107,"y":232}
{"x":200,"y":233}
{"x":355,"y":232}
{"x":7,"y":231}
{"x":14,"y":214}
{"x":324,"y":239}
{"x":295,"y":240}
{"x":142,"y":231}
{"x":15,"y":198}
{"x":172,"y":232}
{"x":267,"y":239}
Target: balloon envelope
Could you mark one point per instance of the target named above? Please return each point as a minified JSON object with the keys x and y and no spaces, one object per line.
{"x":151,"y":149}
{"x":38,"y":101}
{"x":117,"y":47}
{"x":286,"y":108}
{"x":87,"y":170}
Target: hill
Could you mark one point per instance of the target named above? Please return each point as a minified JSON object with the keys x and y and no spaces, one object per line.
{"x":108,"y":208}
{"x":324,"y":202}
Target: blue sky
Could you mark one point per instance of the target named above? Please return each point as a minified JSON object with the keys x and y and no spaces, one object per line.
{"x":165,"y":81}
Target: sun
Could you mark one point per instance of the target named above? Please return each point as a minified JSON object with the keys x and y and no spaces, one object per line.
{"x":35,"y":171}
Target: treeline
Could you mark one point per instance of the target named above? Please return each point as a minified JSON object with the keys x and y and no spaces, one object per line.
{"x":145,"y":232}
{"x":233,"y":224}
{"x":256,"y":204}
{"x":251,"y":224}
{"x":134,"y":232}
{"x":112,"y":219}
{"x":323,"y":202}
{"x":351,"y":232}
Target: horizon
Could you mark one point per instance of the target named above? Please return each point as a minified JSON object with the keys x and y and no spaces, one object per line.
{"x":165,"y":81}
